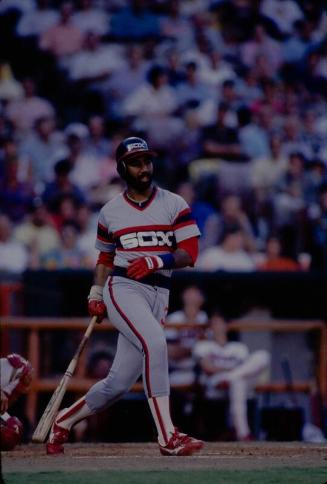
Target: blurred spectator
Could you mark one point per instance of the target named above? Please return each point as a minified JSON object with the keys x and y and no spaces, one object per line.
{"x":192,"y":91}
{"x":24,"y":112}
{"x":37,"y":232}
{"x":87,"y":224}
{"x":182,"y":341}
{"x":41,"y":148}
{"x":220,"y":140}
{"x":134,"y":22}
{"x":205,"y":215}
{"x":10,"y":88}
{"x":36,"y":22}
{"x":88,"y":18}
{"x":61,"y":187}
{"x":68,"y":255}
{"x":253,"y":139}
{"x":232,"y":214}
{"x":266,"y":170}
{"x":297,"y":46}
{"x":16,"y":191}
{"x":229,"y":365}
{"x":86,"y":172}
{"x":318,"y":231}
{"x":274,"y":260}
{"x":289,"y":200}
{"x":97,"y":143}
{"x":261,"y":45}
{"x":13,"y":255}
{"x":217,"y":72}
{"x":175,"y":27}
{"x":94,"y":63}
{"x":65,"y":212}
{"x":283,"y":14}
{"x":126,"y":79}
{"x":64,"y":38}
{"x":229,"y":255}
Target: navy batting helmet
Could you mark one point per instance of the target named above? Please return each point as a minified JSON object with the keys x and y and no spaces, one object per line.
{"x":131,"y":148}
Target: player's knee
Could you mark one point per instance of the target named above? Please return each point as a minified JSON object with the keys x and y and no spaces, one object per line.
{"x":158,"y":347}
{"x":262,"y":358}
{"x":11,"y":432}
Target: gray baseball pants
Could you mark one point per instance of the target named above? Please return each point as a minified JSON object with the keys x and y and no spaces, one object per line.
{"x":138,"y":311}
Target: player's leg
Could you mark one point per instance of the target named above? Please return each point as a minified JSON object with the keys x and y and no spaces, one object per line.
{"x":137,"y":310}
{"x":238,"y":407}
{"x":240,"y":380}
{"x":125,"y":370}
{"x":252,"y":368}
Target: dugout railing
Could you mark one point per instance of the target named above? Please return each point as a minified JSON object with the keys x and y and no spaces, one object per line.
{"x":33,"y":327}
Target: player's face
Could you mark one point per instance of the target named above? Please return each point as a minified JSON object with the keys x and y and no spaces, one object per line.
{"x":139,"y":173}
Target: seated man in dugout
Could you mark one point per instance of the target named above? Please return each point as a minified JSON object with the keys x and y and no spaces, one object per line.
{"x":229,"y":366}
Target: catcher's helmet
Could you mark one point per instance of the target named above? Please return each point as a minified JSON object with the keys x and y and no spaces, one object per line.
{"x":11,"y":431}
{"x":131,"y":148}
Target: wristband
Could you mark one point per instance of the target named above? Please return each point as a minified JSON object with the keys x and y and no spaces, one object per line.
{"x":168,"y":261}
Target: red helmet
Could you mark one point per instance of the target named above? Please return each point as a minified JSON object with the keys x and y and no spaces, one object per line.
{"x":11,"y":432}
{"x":131,"y":148}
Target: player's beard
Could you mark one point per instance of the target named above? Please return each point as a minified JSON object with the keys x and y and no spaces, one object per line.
{"x":137,"y":183}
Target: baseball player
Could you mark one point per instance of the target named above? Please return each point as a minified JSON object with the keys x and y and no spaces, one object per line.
{"x":15,"y":379}
{"x":228,"y":365}
{"x":143,"y":234}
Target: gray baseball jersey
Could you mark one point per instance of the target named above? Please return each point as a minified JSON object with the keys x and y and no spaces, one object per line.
{"x":138,"y":309}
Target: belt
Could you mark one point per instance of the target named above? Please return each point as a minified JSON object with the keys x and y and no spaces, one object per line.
{"x":153,"y":279}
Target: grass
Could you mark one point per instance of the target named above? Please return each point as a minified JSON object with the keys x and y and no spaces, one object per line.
{"x":268,"y":476}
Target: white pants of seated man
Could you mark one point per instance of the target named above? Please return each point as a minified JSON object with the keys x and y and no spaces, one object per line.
{"x":240,"y":380}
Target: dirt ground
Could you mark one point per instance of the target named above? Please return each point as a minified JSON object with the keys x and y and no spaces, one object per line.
{"x":145,"y":456}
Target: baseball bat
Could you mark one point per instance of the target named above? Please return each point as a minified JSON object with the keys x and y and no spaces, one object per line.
{"x":52,"y":408}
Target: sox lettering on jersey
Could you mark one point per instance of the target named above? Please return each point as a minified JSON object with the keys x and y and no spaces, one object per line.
{"x":147,"y":239}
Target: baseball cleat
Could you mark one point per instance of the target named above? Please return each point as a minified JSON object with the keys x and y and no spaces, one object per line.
{"x":58,"y":436}
{"x":181,"y":444}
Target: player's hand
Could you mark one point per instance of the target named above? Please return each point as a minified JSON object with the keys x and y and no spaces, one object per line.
{"x":96,"y":306}
{"x":3,"y":402}
{"x":143,"y":266}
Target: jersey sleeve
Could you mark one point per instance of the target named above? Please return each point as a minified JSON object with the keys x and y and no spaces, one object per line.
{"x":104,"y":241}
{"x":184,"y":224}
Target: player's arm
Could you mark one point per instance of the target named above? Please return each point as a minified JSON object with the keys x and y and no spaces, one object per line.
{"x":185,"y":255}
{"x":104,"y":266}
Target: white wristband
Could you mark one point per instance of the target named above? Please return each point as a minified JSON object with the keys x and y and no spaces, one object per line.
{"x":96,"y":292}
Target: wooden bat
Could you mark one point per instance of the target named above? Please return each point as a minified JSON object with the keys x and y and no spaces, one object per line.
{"x":52,"y":408}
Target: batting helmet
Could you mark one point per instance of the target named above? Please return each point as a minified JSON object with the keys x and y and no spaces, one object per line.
{"x":11,"y":431}
{"x":131,"y":148}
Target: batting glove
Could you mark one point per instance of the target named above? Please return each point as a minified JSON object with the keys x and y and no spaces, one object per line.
{"x":143,"y":266}
{"x":96,"y":306}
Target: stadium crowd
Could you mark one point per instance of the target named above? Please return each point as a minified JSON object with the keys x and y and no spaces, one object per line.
{"x":230,"y":93}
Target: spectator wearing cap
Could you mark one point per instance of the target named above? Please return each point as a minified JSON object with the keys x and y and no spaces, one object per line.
{"x":230,"y":255}
{"x":24,"y":112}
{"x":13,"y":254}
{"x":61,"y":186}
{"x":41,"y":148}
